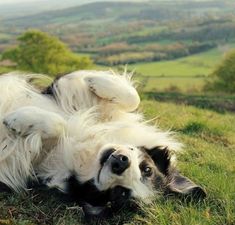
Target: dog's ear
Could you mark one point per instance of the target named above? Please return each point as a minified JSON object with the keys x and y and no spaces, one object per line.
{"x":182,"y":186}
{"x":175,"y":182}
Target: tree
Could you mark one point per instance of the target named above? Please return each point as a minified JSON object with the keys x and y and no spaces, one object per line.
{"x":223,"y":77}
{"x":41,"y":53}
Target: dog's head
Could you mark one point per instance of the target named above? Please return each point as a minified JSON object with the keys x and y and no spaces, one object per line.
{"x":128,"y":173}
{"x":129,"y":167}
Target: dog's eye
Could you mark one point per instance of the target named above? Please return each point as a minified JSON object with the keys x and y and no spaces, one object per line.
{"x":147,"y":171}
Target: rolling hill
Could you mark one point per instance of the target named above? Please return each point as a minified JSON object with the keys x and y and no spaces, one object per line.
{"x":123,"y":11}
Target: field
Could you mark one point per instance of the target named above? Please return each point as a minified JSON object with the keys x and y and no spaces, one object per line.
{"x":171,"y":84}
{"x":208,"y":159}
{"x":196,"y":65}
{"x":187,"y":74}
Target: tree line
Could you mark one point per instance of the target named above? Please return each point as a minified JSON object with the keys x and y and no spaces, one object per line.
{"x":122,"y":53}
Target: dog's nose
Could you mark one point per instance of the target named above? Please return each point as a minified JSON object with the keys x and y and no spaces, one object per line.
{"x":119,"y":163}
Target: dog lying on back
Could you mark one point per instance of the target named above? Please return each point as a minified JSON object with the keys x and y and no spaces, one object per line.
{"x":82,"y":136}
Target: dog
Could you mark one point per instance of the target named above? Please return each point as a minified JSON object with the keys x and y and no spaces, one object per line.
{"x":83,"y":136}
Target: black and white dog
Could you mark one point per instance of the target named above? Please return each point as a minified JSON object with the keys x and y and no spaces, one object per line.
{"x":82,"y":136}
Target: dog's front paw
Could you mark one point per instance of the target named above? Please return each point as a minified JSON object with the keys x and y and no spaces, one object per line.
{"x":27,"y":120}
{"x":20,"y":122}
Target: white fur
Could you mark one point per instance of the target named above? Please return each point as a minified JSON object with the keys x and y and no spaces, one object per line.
{"x":51,"y":137}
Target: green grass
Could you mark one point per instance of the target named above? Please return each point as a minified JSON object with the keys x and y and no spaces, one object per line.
{"x":217,"y":102}
{"x":169,"y":84}
{"x":196,"y":65}
{"x":208,"y":159}
{"x":185,"y":75}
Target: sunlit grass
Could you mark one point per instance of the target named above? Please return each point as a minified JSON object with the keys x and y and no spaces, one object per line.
{"x":208,"y":159}
{"x":196,"y":65}
{"x":169,"y":84}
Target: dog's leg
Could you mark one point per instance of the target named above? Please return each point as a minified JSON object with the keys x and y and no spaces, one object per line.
{"x":82,"y":89}
{"x":114,"y":88}
{"x":33,"y":120}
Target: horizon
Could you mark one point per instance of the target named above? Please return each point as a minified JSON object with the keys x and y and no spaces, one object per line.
{"x":13,"y":2}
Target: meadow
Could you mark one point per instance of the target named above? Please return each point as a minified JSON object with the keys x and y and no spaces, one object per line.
{"x":185,"y":75}
{"x":195,"y":65}
{"x":207,"y":158}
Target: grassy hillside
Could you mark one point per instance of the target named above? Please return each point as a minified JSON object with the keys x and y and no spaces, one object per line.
{"x":208,"y":159}
{"x":124,"y":10}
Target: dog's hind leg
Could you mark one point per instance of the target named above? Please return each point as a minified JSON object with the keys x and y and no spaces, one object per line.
{"x":85,"y":89}
{"x":33,"y":120}
{"x":114,"y":88}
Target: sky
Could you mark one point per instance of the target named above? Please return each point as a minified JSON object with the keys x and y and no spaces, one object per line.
{"x":4,"y":2}
{"x":16,"y":1}
{"x":24,"y":1}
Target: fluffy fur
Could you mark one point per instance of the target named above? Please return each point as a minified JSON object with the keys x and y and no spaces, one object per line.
{"x":72,"y":134}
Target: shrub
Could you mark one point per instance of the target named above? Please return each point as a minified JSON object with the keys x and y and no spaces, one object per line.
{"x":223,"y":77}
{"x":41,"y":53}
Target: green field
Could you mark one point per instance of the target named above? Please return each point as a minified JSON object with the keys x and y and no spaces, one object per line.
{"x":171,"y":84}
{"x":195,"y":65}
{"x":186,"y":74}
{"x":208,"y":159}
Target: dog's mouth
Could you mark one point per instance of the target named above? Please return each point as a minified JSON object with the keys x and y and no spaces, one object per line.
{"x":118,"y":198}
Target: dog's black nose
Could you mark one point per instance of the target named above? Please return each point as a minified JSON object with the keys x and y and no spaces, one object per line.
{"x":119,"y":163}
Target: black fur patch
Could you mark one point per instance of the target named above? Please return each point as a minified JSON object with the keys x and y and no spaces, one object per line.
{"x":161,"y":158}
{"x":4,"y":188}
{"x":86,"y":192}
{"x":90,"y":198}
{"x":50,"y":89}
{"x":104,"y":157}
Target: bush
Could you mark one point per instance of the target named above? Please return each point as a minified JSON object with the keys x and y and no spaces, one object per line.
{"x":41,"y":53}
{"x":223,"y":78}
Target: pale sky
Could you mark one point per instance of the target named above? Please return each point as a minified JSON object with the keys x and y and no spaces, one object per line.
{"x":16,"y":1}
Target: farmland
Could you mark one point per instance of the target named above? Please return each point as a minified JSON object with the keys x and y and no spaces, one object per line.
{"x":187,"y":74}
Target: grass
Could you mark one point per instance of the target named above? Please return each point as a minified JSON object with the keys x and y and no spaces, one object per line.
{"x":169,"y":84}
{"x":216,"y":102}
{"x":185,"y":75}
{"x":208,"y":159}
{"x":196,"y":65}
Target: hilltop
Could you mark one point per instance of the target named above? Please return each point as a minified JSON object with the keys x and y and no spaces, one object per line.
{"x":124,"y":10}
